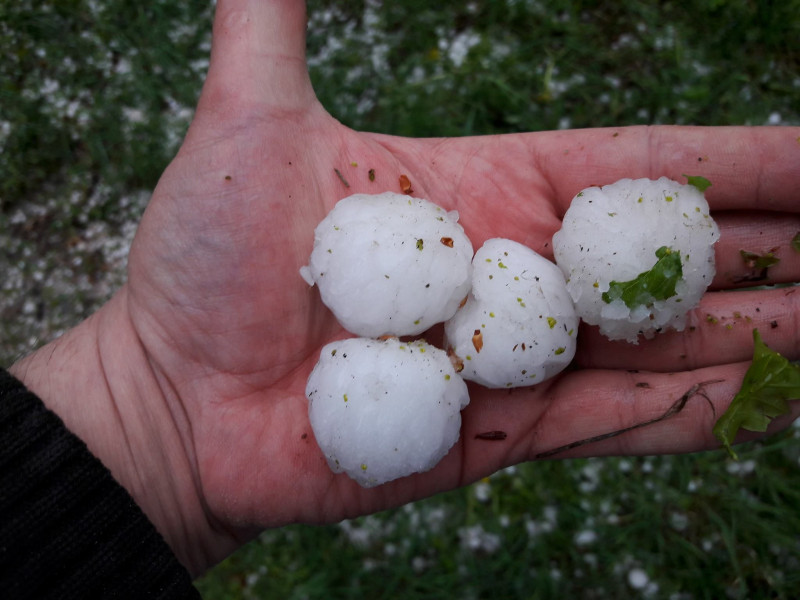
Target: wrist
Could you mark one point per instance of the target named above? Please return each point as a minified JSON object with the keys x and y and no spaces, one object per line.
{"x":98,"y":379}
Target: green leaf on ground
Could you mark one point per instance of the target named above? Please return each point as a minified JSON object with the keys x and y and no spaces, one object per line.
{"x":656,"y":284}
{"x":770,"y":382}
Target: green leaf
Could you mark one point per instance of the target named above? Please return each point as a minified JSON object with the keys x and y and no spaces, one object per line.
{"x":698,"y":181}
{"x":770,"y":382}
{"x":796,"y":242}
{"x":656,"y":284}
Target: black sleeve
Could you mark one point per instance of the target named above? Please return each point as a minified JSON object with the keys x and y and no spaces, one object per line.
{"x":68,"y":529}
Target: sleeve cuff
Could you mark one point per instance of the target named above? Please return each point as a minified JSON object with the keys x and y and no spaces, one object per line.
{"x":69,"y":530}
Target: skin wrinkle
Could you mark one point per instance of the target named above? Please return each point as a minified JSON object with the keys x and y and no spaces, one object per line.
{"x":794,"y":307}
{"x":464,"y":477}
{"x":172,"y":343}
{"x":329,"y":497}
{"x":761,"y":196}
{"x":183,"y":523}
{"x":538,"y":428}
{"x":219,"y":109}
{"x":183,"y":425}
{"x":138,"y":475}
{"x":225,"y":505}
{"x":266,"y":39}
{"x":117,"y":411}
{"x":552,"y":168}
{"x":552,"y":189}
{"x":763,"y":179}
{"x":458,"y":179}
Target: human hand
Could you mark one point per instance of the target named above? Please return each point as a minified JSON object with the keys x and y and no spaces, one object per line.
{"x":192,"y":378}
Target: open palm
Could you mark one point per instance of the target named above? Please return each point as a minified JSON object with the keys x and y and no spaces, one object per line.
{"x":232,"y":331}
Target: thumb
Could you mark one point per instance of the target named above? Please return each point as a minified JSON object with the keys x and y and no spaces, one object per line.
{"x":258,"y":62}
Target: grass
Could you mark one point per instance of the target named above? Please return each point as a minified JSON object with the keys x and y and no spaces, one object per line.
{"x":94,"y":100}
{"x":692,"y":527}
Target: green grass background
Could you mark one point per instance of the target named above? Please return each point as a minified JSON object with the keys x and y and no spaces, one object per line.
{"x":94,"y":100}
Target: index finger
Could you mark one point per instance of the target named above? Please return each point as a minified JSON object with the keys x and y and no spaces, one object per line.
{"x":749,"y":167}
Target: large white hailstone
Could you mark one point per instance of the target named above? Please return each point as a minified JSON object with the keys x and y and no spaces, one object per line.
{"x":390,"y":264}
{"x":383,"y":409}
{"x":637,"y":255}
{"x":518,"y":326}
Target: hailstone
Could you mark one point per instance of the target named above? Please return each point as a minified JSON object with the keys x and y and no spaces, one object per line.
{"x":637,"y":255}
{"x":518,"y":326}
{"x":383,"y":409}
{"x":390,"y":264}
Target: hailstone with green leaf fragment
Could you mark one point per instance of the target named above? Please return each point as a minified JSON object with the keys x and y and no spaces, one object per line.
{"x":638,"y":255}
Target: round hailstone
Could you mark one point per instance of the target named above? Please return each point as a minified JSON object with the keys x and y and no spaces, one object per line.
{"x":390,"y":264}
{"x":637,"y":255}
{"x":518,"y":326}
{"x":383,"y":409}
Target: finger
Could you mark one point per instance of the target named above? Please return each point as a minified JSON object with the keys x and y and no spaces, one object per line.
{"x":591,"y":404}
{"x":616,"y":401}
{"x":749,"y":167}
{"x":718,"y":331}
{"x":257,"y":59}
{"x":767,"y":235}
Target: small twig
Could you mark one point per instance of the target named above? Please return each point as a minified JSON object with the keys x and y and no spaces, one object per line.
{"x":339,"y":173}
{"x":677,"y":406}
